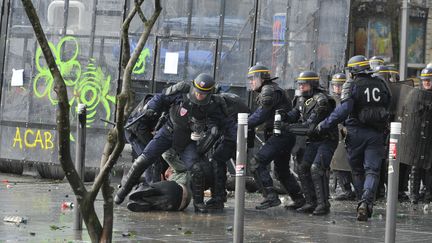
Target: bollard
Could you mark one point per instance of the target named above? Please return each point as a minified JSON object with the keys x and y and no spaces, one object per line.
{"x":393,"y":182}
{"x":80,"y":158}
{"x":240,"y":181}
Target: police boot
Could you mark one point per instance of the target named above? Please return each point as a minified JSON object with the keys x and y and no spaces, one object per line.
{"x":345,"y":184}
{"x":198,"y":189}
{"x":358,"y":181}
{"x":138,"y":167}
{"x":307,"y":188}
{"x":321,"y":190}
{"x":271,"y":199}
{"x":364,"y":211}
{"x":293,"y":189}
{"x":346,"y":195}
{"x":415,"y":184}
{"x":218,"y":196}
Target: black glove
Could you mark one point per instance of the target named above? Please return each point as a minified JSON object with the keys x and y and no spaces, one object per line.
{"x":162,"y":195}
{"x":148,"y":117}
{"x":207,"y":141}
{"x":314,"y":130}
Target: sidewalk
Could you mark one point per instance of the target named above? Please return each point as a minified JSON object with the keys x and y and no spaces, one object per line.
{"x":40,"y":202}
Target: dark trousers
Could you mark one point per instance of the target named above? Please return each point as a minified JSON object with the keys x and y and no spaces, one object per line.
{"x":366,"y":151}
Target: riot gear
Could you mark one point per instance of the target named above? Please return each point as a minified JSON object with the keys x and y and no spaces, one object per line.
{"x":258,"y":75}
{"x":308,"y":77}
{"x":364,"y":110}
{"x":388,"y":74}
{"x":358,"y":64}
{"x":426,"y":77}
{"x":138,"y":167}
{"x":177,"y":130}
{"x":376,"y":61}
{"x":337,"y":82}
{"x":202,"y":86}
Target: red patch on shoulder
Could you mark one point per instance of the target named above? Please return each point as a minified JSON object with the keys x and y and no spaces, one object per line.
{"x":183,"y":111}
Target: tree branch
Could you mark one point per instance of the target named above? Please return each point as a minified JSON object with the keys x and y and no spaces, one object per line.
{"x":123,"y":103}
{"x":125,"y":33}
{"x":140,"y":12}
{"x":62,"y":114}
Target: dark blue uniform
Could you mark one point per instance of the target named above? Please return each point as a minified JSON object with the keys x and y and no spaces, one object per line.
{"x":364,"y":106}
{"x":175,"y":133}
{"x":313,"y":169}
{"x":226,"y":148}
{"x":276,"y":148}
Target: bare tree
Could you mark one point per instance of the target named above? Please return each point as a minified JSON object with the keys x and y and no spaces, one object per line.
{"x":115,"y":141}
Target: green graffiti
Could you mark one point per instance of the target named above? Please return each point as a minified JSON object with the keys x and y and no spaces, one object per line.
{"x":90,"y":88}
{"x":140,"y":65}
{"x":70,"y":69}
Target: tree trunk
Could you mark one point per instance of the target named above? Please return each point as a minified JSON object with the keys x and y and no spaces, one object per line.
{"x":115,"y":140}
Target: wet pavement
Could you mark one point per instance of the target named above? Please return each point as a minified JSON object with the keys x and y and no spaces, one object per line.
{"x":39,"y":201}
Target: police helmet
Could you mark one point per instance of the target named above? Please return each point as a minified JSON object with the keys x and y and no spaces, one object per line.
{"x":376,"y":61}
{"x":261,"y":72}
{"x":426,"y":74}
{"x":308,"y":77}
{"x":429,"y":65}
{"x":358,"y":64}
{"x":338,"y":78}
{"x":203,"y":84}
{"x":387,"y":73}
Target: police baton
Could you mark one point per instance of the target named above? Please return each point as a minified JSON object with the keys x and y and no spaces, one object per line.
{"x":135,"y":120}
{"x":393,"y":182}
{"x":240,"y":181}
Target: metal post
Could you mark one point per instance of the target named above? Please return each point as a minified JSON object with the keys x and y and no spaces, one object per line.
{"x":240,"y":177}
{"x":80,"y":158}
{"x":65,"y":16}
{"x":403,"y":41}
{"x":393,"y":183}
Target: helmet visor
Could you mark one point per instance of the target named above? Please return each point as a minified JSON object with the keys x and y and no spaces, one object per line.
{"x":254,"y":82}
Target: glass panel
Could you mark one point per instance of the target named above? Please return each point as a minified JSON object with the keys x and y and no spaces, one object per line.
{"x":205,"y":18}
{"x":234,"y":52}
{"x":180,"y":60}
{"x":312,"y":37}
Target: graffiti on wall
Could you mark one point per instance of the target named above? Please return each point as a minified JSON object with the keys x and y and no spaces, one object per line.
{"x":90,"y":88}
{"x":140,"y":65}
{"x":29,"y":138}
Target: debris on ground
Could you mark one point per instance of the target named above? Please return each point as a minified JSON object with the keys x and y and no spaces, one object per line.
{"x":17,"y":220}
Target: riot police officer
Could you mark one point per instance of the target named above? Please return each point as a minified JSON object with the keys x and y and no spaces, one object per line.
{"x":311,"y":108}
{"x":225,"y":149}
{"x":364,"y":108}
{"x":422,"y":171}
{"x":339,"y":165}
{"x":192,"y":110}
{"x":277,"y":148}
{"x":388,"y":74}
{"x":375,"y":61}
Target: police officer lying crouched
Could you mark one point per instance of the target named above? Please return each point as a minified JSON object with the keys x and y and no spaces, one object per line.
{"x":364,"y":107}
{"x":311,"y":107}
{"x":191,"y":109}
{"x":276,"y":148}
{"x":171,"y":195}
